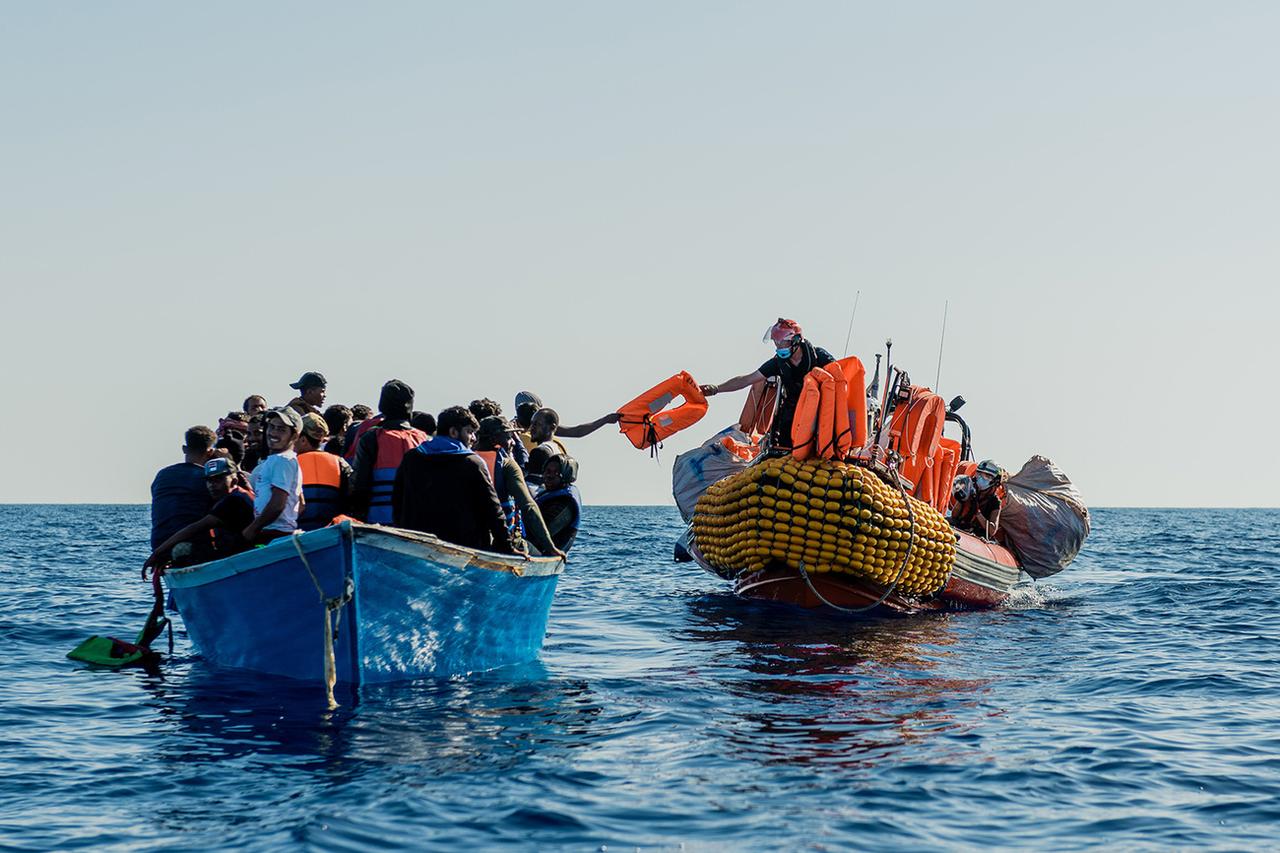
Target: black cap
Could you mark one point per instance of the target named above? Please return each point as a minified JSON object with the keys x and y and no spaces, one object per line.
{"x":396,"y":400}
{"x":219,"y":467}
{"x":310,"y":379}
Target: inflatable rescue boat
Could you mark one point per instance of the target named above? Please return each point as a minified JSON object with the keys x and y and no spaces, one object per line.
{"x":855,"y":514}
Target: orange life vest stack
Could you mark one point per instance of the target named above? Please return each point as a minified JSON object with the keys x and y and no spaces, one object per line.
{"x":830,"y":412}
{"x":928,"y":459}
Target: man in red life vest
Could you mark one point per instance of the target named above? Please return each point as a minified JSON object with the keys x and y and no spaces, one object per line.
{"x":379,"y":451}
{"x":794,"y":357}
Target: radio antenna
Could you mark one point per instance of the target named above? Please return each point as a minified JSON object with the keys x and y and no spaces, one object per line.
{"x":938,"y":378}
{"x":848,"y":337}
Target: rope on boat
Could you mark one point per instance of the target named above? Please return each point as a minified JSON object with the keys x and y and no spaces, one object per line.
{"x":332,"y":620}
{"x":906,"y":558}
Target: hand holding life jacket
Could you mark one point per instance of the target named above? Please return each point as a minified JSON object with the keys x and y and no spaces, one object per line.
{"x":647,"y":420}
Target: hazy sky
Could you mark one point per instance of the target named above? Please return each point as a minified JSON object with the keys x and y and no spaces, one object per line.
{"x":200,"y":201}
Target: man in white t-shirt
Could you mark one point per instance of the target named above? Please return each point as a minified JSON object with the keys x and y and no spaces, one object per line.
{"x":277,"y":480}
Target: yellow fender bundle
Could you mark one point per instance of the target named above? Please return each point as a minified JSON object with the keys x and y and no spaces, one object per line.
{"x":828,"y":516}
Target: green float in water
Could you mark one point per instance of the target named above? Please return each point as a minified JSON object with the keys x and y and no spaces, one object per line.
{"x":110,"y":652}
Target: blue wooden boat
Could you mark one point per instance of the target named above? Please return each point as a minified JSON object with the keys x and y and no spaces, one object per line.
{"x":366,"y":604}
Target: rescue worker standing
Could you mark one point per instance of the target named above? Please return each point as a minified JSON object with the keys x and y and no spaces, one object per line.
{"x":793,"y":358}
{"x":379,"y":451}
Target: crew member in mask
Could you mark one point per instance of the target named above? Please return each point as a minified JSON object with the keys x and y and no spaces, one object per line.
{"x":793,"y":358}
{"x":977,"y":500}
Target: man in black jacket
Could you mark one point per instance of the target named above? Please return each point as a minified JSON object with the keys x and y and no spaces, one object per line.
{"x":443,"y":488}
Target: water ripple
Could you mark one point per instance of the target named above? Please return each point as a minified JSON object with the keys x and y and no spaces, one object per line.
{"x":1131,"y":701}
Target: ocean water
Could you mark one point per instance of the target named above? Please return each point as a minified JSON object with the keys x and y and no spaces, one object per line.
{"x":1133,"y":701}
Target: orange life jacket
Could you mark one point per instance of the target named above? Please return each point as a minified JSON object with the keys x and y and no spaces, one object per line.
{"x":646,"y":420}
{"x":321,"y":488}
{"x":841,"y":435}
{"x":915,"y":432}
{"x":856,"y":377}
{"x":740,"y":449}
{"x":811,"y":424}
{"x":820,"y":427}
{"x":944,"y":471}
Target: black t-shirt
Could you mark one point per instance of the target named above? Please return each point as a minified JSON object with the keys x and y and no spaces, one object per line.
{"x":234,"y":513}
{"x":791,"y":378}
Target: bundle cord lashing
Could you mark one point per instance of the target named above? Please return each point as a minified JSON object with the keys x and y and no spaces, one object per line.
{"x":906,"y":558}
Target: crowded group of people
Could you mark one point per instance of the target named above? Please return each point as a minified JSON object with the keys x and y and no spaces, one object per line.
{"x":466,"y":475}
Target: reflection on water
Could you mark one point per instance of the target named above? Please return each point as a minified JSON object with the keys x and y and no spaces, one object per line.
{"x":875,"y":681}
{"x":443,"y":725}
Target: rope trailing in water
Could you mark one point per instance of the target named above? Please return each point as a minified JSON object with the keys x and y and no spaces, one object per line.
{"x":332,"y":621}
{"x":906,"y":558}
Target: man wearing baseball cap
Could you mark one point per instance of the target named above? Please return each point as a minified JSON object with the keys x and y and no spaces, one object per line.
{"x":277,"y":480}
{"x":217,"y":534}
{"x":311,"y":389}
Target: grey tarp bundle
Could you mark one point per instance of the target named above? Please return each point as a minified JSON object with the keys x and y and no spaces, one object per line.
{"x":1043,"y":518}
{"x":694,"y":471}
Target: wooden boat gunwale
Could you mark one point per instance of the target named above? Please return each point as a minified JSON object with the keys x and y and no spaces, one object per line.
{"x":406,"y":542}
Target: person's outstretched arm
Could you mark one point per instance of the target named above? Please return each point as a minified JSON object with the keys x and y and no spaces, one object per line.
{"x":737,"y":383}
{"x":584,"y":430}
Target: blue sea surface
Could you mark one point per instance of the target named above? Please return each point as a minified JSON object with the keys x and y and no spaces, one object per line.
{"x":1132,"y":701}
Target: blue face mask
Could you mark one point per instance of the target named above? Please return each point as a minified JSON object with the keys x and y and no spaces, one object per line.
{"x":984,"y":483}
{"x":785,"y":352}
